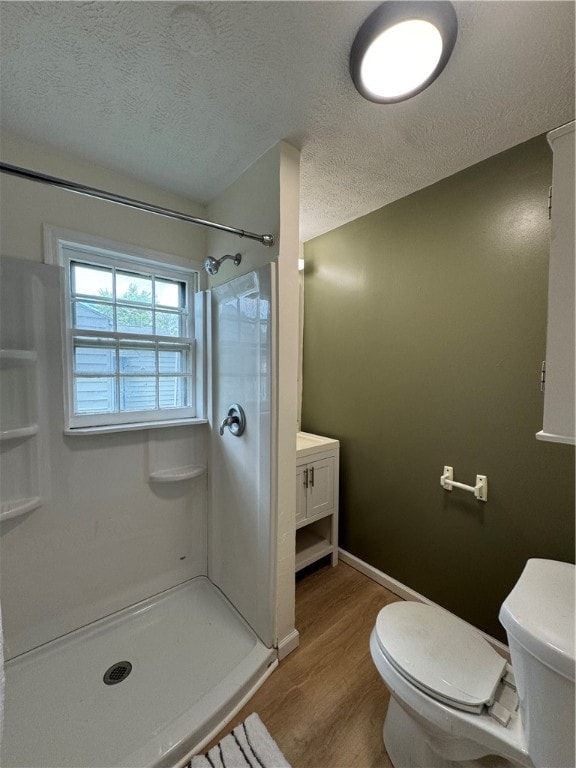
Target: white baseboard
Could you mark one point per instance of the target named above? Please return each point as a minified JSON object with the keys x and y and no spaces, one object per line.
{"x":288,"y":644}
{"x":409,"y":594}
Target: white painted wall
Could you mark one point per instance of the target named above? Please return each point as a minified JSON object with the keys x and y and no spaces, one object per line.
{"x":25,"y":205}
{"x":252,"y":203}
{"x":288,"y":299}
{"x":265,"y":200}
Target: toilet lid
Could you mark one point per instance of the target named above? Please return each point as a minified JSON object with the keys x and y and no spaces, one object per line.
{"x":440,"y":654}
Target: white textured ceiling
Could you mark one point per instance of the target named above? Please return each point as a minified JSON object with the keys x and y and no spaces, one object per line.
{"x":187,"y":95}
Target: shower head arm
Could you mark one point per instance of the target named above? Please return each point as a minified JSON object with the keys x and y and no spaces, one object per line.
{"x":237,"y":258}
{"x":212,"y":265}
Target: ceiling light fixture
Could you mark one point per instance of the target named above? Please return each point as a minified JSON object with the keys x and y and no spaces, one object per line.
{"x":401,"y":48}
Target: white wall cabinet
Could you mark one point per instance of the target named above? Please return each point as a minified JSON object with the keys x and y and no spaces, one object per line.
{"x":559,"y":416}
{"x":317,"y":467}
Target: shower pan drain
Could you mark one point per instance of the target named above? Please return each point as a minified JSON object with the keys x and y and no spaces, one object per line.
{"x":117,"y":672}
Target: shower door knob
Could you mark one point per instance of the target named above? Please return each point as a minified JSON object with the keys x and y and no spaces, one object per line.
{"x":235,"y":420}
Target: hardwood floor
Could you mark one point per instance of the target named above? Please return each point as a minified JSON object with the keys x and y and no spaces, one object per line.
{"x":325,"y":704}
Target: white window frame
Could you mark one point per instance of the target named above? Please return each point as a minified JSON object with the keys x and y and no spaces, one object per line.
{"x":63,"y":247}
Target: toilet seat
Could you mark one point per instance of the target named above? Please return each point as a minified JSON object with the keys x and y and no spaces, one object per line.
{"x":446,"y":725}
{"x":440,"y":654}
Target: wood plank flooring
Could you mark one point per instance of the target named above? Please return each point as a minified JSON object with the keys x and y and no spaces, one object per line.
{"x":325,"y":704}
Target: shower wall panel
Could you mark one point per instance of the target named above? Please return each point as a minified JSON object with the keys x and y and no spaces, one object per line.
{"x":242,"y":543}
{"x":104,"y":534}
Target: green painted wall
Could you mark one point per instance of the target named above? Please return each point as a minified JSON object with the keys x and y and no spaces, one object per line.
{"x":424,"y":332}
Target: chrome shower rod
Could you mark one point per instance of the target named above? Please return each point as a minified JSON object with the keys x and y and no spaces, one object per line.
{"x":100,"y":194}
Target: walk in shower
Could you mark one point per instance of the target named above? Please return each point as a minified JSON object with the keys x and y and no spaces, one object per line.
{"x":137,"y":591}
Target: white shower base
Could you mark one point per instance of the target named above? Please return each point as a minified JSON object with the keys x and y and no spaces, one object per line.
{"x":194,"y":659}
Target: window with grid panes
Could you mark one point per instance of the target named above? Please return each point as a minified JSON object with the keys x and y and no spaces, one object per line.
{"x":130,"y":338}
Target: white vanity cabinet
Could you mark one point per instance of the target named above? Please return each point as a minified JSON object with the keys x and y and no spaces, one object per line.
{"x":559,"y":391}
{"x":317,"y":466}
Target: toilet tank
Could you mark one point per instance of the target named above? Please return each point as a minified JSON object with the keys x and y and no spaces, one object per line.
{"x":538,"y":616}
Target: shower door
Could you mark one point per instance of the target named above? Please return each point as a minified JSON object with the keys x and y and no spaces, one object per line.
{"x":242,"y":518}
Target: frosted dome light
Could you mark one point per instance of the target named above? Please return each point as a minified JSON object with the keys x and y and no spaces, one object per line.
{"x":401,"y":48}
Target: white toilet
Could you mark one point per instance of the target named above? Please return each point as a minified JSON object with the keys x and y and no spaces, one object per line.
{"x":456,"y":702}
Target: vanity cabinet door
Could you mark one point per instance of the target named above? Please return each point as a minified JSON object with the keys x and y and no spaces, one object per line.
{"x":314,"y":488}
{"x":320,"y":487}
{"x":301,"y":493}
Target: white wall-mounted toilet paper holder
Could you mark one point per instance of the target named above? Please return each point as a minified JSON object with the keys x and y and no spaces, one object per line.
{"x":480,"y":490}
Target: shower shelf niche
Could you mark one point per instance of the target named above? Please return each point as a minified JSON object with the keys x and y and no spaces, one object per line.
{"x":11,"y":509}
{"x":177,"y":474}
{"x":13,"y":357}
{"x":22,"y":351}
{"x":174,"y":457}
{"x":18,"y":398}
{"x":19,"y":432}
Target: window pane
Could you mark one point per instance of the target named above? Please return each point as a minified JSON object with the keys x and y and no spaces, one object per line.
{"x":168,"y":324}
{"x":94,"y":358}
{"x":172,"y":360}
{"x":249,"y":332}
{"x":91,"y":281}
{"x":138,"y":359}
{"x":93,"y":316}
{"x":129,"y":351}
{"x":137,"y":393}
{"x":169,"y":293}
{"x":134,"y":320}
{"x":94,"y":395}
{"x":133,"y":287}
{"x":174,"y":391}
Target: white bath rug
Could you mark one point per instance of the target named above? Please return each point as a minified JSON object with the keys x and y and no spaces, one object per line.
{"x":248,"y":746}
